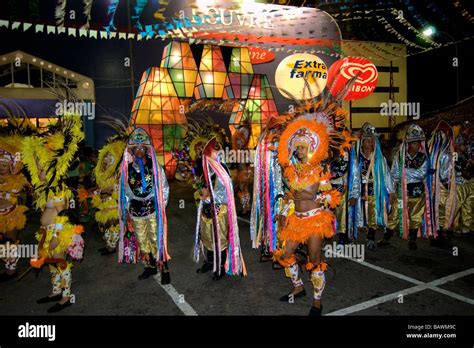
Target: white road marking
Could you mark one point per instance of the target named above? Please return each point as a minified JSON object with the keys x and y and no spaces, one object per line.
{"x":424,"y":286}
{"x":420,"y":286}
{"x":177,"y":298}
{"x":378,"y":300}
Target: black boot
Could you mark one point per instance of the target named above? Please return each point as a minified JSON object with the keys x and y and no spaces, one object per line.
{"x":441,"y":241}
{"x":208,"y":265}
{"x":315,"y":312}
{"x":371,"y":245}
{"x":216,"y":275}
{"x":147,"y":273}
{"x":59,"y":307}
{"x":343,"y":239}
{"x":412,"y":239}
{"x":386,"y":238}
{"x":286,"y":298}
{"x":165,"y":274}
{"x":6,"y":277}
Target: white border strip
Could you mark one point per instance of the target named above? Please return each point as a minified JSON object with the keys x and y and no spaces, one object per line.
{"x":176,"y":297}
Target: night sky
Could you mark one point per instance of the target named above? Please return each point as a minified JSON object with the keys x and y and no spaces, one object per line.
{"x":431,"y":77}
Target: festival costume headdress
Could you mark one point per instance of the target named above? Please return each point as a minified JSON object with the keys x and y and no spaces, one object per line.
{"x":414,"y":133}
{"x":110,"y":154}
{"x":128,"y":250}
{"x":368,"y":131}
{"x":52,"y":151}
{"x":321,"y":130}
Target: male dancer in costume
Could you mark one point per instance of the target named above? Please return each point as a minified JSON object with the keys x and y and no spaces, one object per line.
{"x":143,"y":193}
{"x":442,"y":184}
{"x":302,"y":152}
{"x":409,"y":172}
{"x":268,"y":192}
{"x":464,"y":167}
{"x":372,"y":208}
{"x":346,"y":179}
{"x":217,"y":231}
{"x":241,"y":139}
{"x":105,"y":198}
{"x":47,"y":157}
{"x":12,"y":212}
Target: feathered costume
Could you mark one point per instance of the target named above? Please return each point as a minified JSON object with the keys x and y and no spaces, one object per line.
{"x":47,"y":157}
{"x":143,"y":197}
{"x":51,"y":153}
{"x":105,"y":198}
{"x":321,"y":129}
{"x":12,"y":184}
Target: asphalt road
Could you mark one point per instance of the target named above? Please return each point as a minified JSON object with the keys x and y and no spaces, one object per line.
{"x":391,"y":281}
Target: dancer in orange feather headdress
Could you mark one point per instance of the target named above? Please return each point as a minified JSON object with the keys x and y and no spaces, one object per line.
{"x":303,"y":152}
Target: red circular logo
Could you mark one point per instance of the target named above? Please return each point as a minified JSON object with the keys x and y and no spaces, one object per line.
{"x":347,"y":68}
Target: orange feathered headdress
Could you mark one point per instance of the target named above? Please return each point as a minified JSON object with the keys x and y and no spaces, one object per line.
{"x":310,"y":132}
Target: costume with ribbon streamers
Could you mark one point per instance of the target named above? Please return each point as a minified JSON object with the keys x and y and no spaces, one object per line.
{"x":409,"y":172}
{"x":47,"y":157}
{"x":219,"y":232}
{"x":143,"y":192}
{"x":12,"y":212}
{"x":373,"y":205}
{"x":464,"y":168}
{"x":240,"y":140}
{"x":105,"y":198}
{"x":442,"y":184}
{"x":268,"y":191}
{"x":308,"y":173}
{"x":346,"y":179}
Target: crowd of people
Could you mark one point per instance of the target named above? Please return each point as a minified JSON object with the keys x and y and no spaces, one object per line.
{"x":311,"y":179}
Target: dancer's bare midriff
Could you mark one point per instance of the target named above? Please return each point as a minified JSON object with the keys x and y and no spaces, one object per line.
{"x":304,"y":199}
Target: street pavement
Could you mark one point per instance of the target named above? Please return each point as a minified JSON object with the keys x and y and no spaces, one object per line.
{"x":390,"y":281}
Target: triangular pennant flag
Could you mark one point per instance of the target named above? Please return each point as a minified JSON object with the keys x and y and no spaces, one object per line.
{"x":4,"y":23}
{"x":104,"y":35}
{"x":51,"y":29}
{"x":16,"y":25}
{"x":139,"y":37}
{"x":82,"y":32}
{"x":113,"y":35}
{"x":26,"y":26}
{"x":191,"y":40}
{"x":131,"y":36}
{"x":39,"y":28}
{"x":93,"y":33}
{"x":122,"y":36}
{"x":71,"y":32}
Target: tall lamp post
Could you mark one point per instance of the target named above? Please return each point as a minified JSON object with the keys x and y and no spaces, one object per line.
{"x":430,"y":31}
